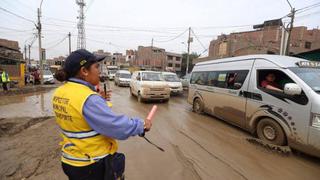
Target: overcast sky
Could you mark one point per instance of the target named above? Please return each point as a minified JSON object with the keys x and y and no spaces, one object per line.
{"x":117,"y":25}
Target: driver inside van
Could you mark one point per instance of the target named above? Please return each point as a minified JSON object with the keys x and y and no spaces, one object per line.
{"x":269,"y":83}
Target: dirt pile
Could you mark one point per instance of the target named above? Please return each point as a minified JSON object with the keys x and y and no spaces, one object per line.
{"x":29,"y":149}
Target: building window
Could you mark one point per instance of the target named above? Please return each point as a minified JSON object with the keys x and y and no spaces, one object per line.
{"x":307,"y":45}
{"x":169,"y":64}
{"x":177,"y":65}
{"x":178,"y":58}
{"x":170,"y":57}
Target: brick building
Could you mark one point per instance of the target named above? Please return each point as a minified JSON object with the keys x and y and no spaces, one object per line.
{"x":11,"y":59}
{"x":174,"y":61}
{"x":155,"y":58}
{"x":265,"y":40}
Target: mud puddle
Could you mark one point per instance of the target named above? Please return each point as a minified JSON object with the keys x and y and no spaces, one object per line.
{"x":26,"y":105}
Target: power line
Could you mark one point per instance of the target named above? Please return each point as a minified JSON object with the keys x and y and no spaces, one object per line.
{"x":16,"y":15}
{"x":17,"y":30}
{"x":51,"y":47}
{"x":91,"y":2}
{"x":309,"y":7}
{"x":176,"y":37}
{"x":198,"y":39}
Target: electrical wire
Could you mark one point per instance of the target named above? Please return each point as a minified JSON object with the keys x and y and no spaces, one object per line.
{"x":176,"y":37}
{"x":16,"y":30}
{"x":51,"y":47}
{"x":198,"y":39}
{"x":3,"y":9}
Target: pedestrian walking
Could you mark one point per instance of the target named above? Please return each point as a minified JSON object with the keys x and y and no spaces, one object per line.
{"x":90,"y":129}
{"x":5,"y":79}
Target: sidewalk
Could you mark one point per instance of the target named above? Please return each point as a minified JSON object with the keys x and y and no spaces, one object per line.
{"x":28,"y":89}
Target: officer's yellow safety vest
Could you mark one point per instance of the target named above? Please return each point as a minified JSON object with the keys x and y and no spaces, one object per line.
{"x":5,"y":77}
{"x":81,"y":145}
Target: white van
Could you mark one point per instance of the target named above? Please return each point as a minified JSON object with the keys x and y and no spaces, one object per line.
{"x":174,"y":82}
{"x":122,"y":78}
{"x":111,"y":72}
{"x":275,"y":97}
{"x":149,"y":85}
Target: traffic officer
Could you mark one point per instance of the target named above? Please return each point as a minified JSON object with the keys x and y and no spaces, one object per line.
{"x":89,"y":128}
{"x":5,"y":80}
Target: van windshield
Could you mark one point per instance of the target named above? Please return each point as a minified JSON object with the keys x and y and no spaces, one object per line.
{"x":151,"y":77}
{"x":125,"y":76}
{"x":311,"y":76}
{"x":112,"y":71}
{"x":171,"y":78}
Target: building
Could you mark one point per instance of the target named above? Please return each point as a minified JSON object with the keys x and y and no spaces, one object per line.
{"x":11,"y":60}
{"x":107,"y":60}
{"x":155,"y":58}
{"x":130,"y":56}
{"x":118,"y":59}
{"x":174,"y":61}
{"x":266,"y":39}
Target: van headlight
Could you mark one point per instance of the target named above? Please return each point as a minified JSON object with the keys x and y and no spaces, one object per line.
{"x":316,"y":120}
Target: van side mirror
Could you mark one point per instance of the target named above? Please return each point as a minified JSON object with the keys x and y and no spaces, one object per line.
{"x":292,"y":89}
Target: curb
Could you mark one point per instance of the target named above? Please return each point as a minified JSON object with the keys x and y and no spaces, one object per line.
{"x":26,"y":90}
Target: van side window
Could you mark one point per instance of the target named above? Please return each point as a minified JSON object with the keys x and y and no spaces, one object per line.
{"x":199,"y":78}
{"x":222,"y":77}
{"x":236,"y":79}
{"x":212,"y":78}
{"x":271,"y":79}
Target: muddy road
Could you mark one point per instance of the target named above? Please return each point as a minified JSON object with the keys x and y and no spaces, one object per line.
{"x":196,"y":146}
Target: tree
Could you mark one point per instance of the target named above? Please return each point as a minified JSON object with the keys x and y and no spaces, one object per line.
{"x":192,"y":56}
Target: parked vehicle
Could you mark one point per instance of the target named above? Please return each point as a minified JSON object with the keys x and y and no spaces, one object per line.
{"x":149,"y":85}
{"x":174,"y":82}
{"x":48,"y":77}
{"x":238,"y":90}
{"x":111,"y":71}
{"x":122,"y":78}
{"x":185,"y":81}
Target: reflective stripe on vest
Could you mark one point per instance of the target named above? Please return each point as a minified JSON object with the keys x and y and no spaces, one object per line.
{"x":80,"y":135}
{"x":67,"y":156}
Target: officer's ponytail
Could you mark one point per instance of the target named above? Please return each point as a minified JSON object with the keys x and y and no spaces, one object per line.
{"x":61,"y":75}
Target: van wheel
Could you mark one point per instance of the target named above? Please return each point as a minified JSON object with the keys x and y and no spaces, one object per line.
{"x":139,"y":97}
{"x":197,"y":106}
{"x":270,"y":131}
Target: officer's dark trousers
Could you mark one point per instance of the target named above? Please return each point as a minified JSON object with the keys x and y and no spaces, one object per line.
{"x":5,"y":87}
{"x":96,"y":171}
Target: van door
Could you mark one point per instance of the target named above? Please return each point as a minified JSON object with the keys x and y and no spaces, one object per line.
{"x":229,"y":99}
{"x":291,"y":112}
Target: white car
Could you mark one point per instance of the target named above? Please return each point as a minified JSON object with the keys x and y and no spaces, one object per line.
{"x":149,"y":85}
{"x":174,"y":82}
{"x":48,"y":77}
{"x":122,"y":78}
{"x":185,"y":81}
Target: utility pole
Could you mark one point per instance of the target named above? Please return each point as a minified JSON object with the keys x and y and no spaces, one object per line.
{"x":40,"y":48}
{"x":154,"y":61}
{"x":69,"y":35}
{"x":292,"y":14}
{"x":29,"y":47}
{"x":81,"y":44}
{"x":189,"y":41}
{"x":25,"y":53}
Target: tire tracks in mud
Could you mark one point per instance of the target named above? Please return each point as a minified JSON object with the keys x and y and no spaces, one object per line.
{"x":213,"y":155}
{"x":186,"y":162}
